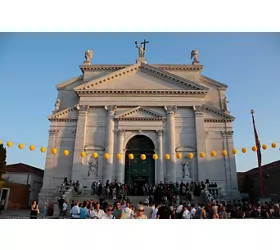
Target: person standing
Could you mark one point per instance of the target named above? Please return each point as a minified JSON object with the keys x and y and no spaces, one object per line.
{"x":34,"y":210}
{"x":148,"y":210}
{"x":164,"y":211}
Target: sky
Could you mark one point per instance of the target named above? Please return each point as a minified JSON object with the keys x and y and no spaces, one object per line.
{"x":31,"y":64}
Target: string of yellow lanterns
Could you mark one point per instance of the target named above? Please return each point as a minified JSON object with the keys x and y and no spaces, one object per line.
{"x":143,"y":156}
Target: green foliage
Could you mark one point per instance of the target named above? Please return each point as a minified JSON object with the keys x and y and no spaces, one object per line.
{"x":3,"y":156}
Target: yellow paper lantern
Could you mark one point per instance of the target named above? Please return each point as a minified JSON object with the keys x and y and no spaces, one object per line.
{"x":20,"y":146}
{"x":106,"y":156}
{"x":155,"y":157}
{"x":213,"y":153}
{"x":244,"y":150}
{"x":273,"y":145}
{"x":9,"y":144}
{"x":1,"y":142}
{"x":66,"y":152}
{"x":130,"y":156}
{"x":167,"y":156}
{"x":95,"y":155}
{"x":32,"y":148}
{"x":224,"y":152}
{"x":202,"y":154}
{"x":143,"y":157}
{"x":190,"y":155}
{"x":119,"y":156}
{"x":54,"y":151}
{"x":179,"y":155}
{"x":264,"y":147}
{"x":234,"y":151}
{"x":254,"y":148}
{"x":43,"y":149}
{"x":83,"y":154}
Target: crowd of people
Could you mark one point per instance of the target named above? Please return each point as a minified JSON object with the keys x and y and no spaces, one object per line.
{"x":118,"y":191}
{"x":185,"y":210}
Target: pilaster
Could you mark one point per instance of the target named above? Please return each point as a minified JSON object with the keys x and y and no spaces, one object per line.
{"x":51,"y":163}
{"x":77,"y":170}
{"x":109,"y":143}
{"x":160,"y":172}
{"x":171,"y":143}
{"x":120,"y":162}
{"x":200,"y":142}
{"x":231,"y":164}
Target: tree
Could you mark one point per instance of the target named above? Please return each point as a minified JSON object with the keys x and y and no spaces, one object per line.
{"x":3,"y":156}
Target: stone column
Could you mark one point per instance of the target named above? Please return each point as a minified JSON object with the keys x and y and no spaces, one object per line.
{"x":120,"y":162}
{"x":171,"y":143}
{"x":231,"y":164}
{"x":160,"y":171}
{"x":200,"y":142}
{"x":109,"y":143}
{"x":77,"y":170}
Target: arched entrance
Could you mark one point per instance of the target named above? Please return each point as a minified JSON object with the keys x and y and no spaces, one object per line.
{"x":137,"y":171}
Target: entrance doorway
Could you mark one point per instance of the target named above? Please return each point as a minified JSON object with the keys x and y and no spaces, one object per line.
{"x":137,"y":171}
{"x":4,"y":198}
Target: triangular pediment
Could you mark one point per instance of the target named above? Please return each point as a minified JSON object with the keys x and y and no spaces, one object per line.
{"x":141,"y":76}
{"x":140,"y":113}
{"x":212,"y":114}
{"x":69,"y":114}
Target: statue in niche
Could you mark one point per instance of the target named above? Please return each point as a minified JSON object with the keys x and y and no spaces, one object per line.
{"x":186,"y":169}
{"x":57,"y":104}
{"x":93,"y":167}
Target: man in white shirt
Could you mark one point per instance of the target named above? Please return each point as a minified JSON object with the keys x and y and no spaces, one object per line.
{"x":186,"y":213}
{"x":97,"y":212}
{"x":75,"y":211}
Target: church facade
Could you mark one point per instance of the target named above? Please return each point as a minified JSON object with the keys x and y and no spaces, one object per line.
{"x":140,"y":110}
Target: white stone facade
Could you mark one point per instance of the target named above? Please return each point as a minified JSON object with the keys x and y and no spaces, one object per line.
{"x":177,"y":107}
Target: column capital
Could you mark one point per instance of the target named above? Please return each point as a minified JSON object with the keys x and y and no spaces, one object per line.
{"x":82,"y":109}
{"x":198,"y":111}
{"x":111,"y":109}
{"x":159,"y":133}
{"x":170,"y":110}
{"x":53,"y":132}
{"x":228,"y":134}
{"x":120,"y":132}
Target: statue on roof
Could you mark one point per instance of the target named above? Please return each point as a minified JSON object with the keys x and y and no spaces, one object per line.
{"x":88,"y":56}
{"x":141,"y":48}
{"x":195,"y":56}
{"x":225,"y":104}
{"x":57,"y":104}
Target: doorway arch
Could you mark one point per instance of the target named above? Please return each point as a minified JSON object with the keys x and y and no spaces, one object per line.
{"x":136,"y":170}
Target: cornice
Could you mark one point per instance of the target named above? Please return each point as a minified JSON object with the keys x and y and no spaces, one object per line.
{"x":211,"y":120}
{"x":175,"y":79}
{"x":114,"y":67}
{"x":219,"y":112}
{"x":139,"y":92}
{"x":63,"y":120}
{"x":137,"y":109}
{"x":140,"y":119}
{"x":58,"y":116}
{"x":157,"y":72}
{"x":219,"y":84}
{"x":66,"y":83}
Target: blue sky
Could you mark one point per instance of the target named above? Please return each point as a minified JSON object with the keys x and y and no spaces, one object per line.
{"x":31,"y":64}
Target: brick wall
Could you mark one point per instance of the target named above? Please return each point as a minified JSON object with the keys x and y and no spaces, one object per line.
{"x":18,"y":196}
